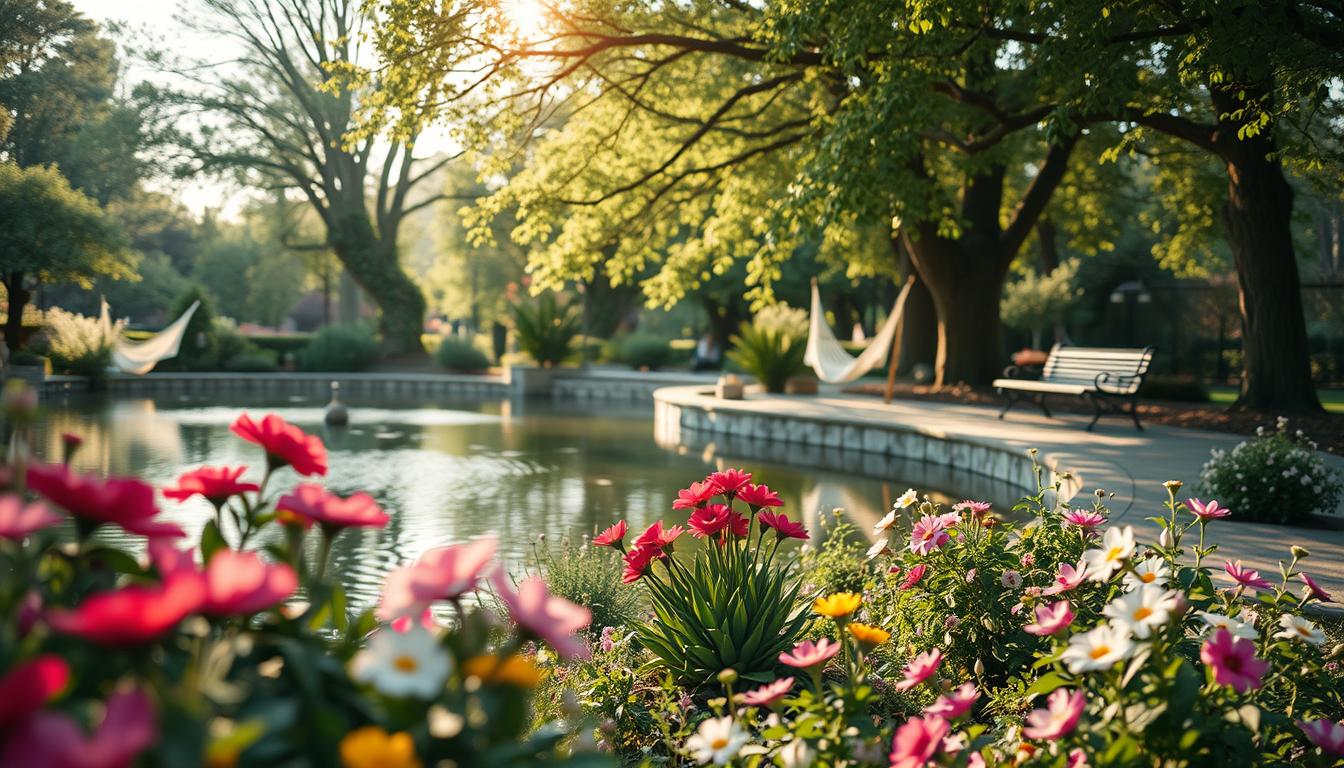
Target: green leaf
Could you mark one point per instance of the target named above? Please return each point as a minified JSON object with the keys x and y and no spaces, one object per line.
{"x":211,"y":540}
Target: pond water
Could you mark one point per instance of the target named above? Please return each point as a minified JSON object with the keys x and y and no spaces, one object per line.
{"x":449,"y":471}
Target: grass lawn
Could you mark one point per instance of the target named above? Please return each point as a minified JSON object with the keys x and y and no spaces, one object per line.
{"x":1332,"y":399}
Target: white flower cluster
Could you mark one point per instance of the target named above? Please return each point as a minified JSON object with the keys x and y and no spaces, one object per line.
{"x":1276,"y":477}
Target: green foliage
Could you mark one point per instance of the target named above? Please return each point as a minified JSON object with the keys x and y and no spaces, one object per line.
{"x":772,"y":354}
{"x":340,"y":348}
{"x":1036,"y":300}
{"x":200,"y":344}
{"x":27,"y":358}
{"x":55,"y":233}
{"x":1183,"y":389}
{"x":838,"y":563}
{"x":588,"y":576}
{"x":1276,"y":477}
{"x":546,"y":329}
{"x":642,"y":351}
{"x":459,"y":354}
{"x":79,"y":345}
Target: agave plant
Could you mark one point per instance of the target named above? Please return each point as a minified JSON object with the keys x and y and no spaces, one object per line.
{"x":730,"y":604}
{"x":772,"y":355}
{"x":546,"y":329}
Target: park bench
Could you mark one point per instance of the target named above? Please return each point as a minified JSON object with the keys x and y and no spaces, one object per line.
{"x":1096,"y":374}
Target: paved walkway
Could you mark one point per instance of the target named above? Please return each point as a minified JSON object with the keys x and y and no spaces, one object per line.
{"x":1131,"y":464}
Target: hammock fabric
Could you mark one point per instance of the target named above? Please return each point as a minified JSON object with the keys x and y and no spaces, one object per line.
{"x":831,"y":362}
{"x":139,"y":358}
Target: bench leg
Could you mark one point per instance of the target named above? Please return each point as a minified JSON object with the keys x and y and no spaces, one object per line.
{"x":1011,"y":398}
{"x":1096,"y":411}
{"x":1134,"y":412}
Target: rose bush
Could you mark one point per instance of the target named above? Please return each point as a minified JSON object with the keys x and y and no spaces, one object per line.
{"x":215,"y":653}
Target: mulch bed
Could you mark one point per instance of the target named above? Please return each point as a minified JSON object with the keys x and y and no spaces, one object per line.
{"x":1325,"y":429}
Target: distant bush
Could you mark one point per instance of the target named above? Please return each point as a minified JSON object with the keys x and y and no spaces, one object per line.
{"x":1276,"y":477}
{"x":546,"y":329}
{"x":340,"y":348}
{"x":459,"y":354}
{"x":642,"y":350}
{"x":771,"y":351}
{"x":252,"y":361}
{"x":25,"y":357}
{"x":80,"y":345}
{"x":199,"y":350}
{"x":1176,"y":388}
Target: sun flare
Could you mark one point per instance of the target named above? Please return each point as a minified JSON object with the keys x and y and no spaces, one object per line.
{"x":529,"y":18}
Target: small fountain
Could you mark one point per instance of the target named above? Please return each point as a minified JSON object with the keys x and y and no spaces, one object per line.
{"x":336,"y":414}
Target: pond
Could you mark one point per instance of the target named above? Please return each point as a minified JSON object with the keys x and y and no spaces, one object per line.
{"x":529,"y":471}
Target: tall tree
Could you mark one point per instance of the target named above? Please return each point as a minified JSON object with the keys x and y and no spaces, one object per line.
{"x":50,"y":233}
{"x":283,"y":115}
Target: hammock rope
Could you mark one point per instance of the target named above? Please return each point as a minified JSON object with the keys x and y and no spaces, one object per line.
{"x":830,"y":361}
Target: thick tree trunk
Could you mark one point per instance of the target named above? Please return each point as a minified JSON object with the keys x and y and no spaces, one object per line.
{"x":375,"y":267}
{"x":724,"y":319}
{"x":919,"y":323}
{"x":1047,"y":238}
{"x":18,"y":299}
{"x":1258,"y":215}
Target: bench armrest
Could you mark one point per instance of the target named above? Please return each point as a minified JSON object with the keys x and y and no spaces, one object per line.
{"x":1118,"y":383}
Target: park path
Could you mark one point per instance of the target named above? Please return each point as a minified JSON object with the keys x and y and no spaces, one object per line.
{"x":1115,"y":457}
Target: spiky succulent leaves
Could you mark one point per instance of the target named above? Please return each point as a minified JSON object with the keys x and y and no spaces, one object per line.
{"x":772,"y":356}
{"x":729,"y":608}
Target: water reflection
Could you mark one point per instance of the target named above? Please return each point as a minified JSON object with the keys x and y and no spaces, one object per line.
{"x":449,"y":471}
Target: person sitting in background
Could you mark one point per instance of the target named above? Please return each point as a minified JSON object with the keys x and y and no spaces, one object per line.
{"x":707,"y":355}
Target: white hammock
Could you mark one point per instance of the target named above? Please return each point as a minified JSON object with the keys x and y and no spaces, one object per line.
{"x":140,"y":357}
{"x":830,"y":360}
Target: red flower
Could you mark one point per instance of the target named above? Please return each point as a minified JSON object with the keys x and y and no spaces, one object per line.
{"x":54,"y":739}
{"x":241,"y":583}
{"x":18,"y":521}
{"x":657,"y":537}
{"x":125,"y":501}
{"x":216,"y":484}
{"x":729,"y":481}
{"x":637,"y":561}
{"x":310,"y":503}
{"x":913,"y":577}
{"x":29,"y":685}
{"x":284,"y":443}
{"x":709,"y":520}
{"x":132,"y":615}
{"x":784,"y":527}
{"x":757,"y":496}
{"x":697,"y":495}
{"x":612,"y":536}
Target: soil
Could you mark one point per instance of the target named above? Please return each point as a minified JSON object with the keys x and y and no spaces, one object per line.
{"x":1327,"y":429}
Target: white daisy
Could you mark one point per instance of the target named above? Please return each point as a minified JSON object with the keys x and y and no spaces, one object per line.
{"x":717,"y":741}
{"x":885,"y":524}
{"x":403,"y":663}
{"x":1100,"y":648}
{"x":1298,"y":628}
{"x":906,"y":499}
{"x":1152,"y":570}
{"x":1142,"y":610}
{"x":879,"y":546}
{"x":795,"y":754}
{"x":1217,"y":621}
{"x":1116,"y":547}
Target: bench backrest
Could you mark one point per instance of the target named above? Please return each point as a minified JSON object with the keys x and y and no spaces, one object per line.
{"x":1082,"y":365}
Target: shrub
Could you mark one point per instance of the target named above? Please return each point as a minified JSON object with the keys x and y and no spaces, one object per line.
{"x":642,"y":351}
{"x":729,"y":605}
{"x":582,"y":574}
{"x":199,"y":350}
{"x":458,"y":354}
{"x":1036,"y":300}
{"x":80,"y":345}
{"x":1275,"y":477}
{"x":340,"y":348}
{"x":546,"y":329}
{"x":252,"y":361}
{"x":25,"y":357}
{"x":1183,"y":389}
{"x":773,"y":355}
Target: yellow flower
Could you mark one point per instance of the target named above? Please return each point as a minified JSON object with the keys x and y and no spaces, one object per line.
{"x":516,"y":670}
{"x":372,"y":747}
{"x":867,"y":635}
{"x":837,"y":606}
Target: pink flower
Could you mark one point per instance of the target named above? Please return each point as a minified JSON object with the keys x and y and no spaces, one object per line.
{"x":241,"y":583}
{"x":784,"y":527}
{"x":927,"y":535}
{"x":1083,"y":518}
{"x":1327,"y":735}
{"x":132,"y":615}
{"x":284,"y":443}
{"x":808,"y":654}
{"x":758,"y":496}
{"x":912,"y":578}
{"x":954,"y":704}
{"x":920,"y":668}
{"x":1011,"y":579}
{"x":444,"y":573}
{"x":215,"y":484}
{"x":613,"y":536}
{"x":710,"y":520}
{"x":1314,"y":589}
{"x":18,"y":520}
{"x":545,"y":616}
{"x":657,"y":536}
{"x":697,"y":495}
{"x":310,"y":503}
{"x":637,"y":561}
{"x":1068,"y":578}
{"x":29,"y":685}
{"x":1210,"y":511}
{"x":976,"y":508}
{"x":54,"y":739}
{"x":1051,"y":619}
{"x":729,"y":481}
{"x":1077,"y":758}
{"x":950,"y":519}
{"x":1246,"y":577}
{"x":918,"y":741}
{"x":126,"y":502}
{"x":1233,"y":660}
{"x":1058,"y":718}
{"x":767,"y":694}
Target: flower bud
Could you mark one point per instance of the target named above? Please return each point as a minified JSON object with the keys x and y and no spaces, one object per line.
{"x":1164,"y":540}
{"x":979,"y":668}
{"x":988,"y":624}
{"x":728,"y":676}
{"x":1300,"y":552}
{"x":1173,"y":485}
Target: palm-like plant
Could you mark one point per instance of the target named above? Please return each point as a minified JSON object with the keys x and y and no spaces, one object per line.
{"x":772,"y":355}
{"x":546,"y":329}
